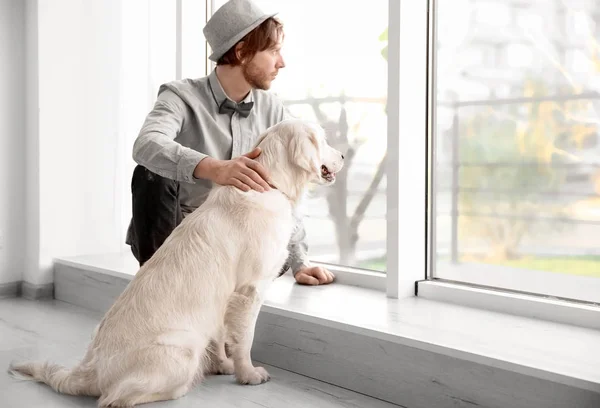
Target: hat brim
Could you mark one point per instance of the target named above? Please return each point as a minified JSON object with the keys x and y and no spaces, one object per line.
{"x":218,"y":53}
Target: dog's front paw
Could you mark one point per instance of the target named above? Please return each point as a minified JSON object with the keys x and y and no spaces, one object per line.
{"x":253,"y":376}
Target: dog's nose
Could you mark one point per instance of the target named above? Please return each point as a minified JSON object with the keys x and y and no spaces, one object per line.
{"x":342,"y":156}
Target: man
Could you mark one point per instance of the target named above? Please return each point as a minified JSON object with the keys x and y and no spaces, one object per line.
{"x":198,"y":130}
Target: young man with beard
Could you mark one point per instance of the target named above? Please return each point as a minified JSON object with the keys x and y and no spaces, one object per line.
{"x":199,"y":129}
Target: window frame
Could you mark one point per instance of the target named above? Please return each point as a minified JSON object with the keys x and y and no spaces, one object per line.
{"x":477,"y":292}
{"x":407,"y":219}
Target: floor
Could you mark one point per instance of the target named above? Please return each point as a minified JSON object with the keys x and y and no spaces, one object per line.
{"x":60,"y":332}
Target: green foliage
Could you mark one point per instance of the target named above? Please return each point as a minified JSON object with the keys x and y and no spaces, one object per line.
{"x":493,"y":163}
{"x":383,"y":37}
{"x":510,"y":167}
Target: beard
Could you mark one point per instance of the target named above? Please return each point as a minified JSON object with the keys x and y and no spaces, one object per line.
{"x":256,"y":77}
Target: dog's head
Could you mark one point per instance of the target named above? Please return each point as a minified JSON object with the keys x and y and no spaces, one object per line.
{"x":297,"y":151}
{"x":308,"y":149}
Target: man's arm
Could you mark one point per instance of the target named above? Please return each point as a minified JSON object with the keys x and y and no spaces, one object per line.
{"x":298,"y":248}
{"x":298,"y":261}
{"x":298,"y":245}
{"x":155,"y":147}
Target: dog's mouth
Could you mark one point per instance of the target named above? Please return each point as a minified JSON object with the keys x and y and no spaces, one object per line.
{"x":327,"y":175}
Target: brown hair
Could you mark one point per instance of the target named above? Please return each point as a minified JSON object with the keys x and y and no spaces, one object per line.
{"x":263,"y":37}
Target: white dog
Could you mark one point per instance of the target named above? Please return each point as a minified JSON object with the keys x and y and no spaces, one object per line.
{"x":204,"y":285}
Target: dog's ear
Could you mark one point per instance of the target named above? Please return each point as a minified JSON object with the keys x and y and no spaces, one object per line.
{"x":304,"y":151}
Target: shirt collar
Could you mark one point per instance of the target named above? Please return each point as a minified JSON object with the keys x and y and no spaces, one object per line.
{"x":219,"y":94}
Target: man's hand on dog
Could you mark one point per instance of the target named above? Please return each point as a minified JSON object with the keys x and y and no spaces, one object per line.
{"x":242,"y":172}
{"x":314,"y":275}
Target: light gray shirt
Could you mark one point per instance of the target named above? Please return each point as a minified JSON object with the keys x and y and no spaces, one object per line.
{"x":185,"y":126}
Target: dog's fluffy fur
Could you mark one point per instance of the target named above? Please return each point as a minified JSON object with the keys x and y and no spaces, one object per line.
{"x":204,"y":286}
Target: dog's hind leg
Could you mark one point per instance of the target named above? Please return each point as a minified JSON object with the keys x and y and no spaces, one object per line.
{"x":217,"y":360}
{"x":240,"y":320}
{"x":158,"y":372}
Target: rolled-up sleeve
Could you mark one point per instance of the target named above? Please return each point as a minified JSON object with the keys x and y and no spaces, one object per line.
{"x":155,"y":147}
{"x":298,"y":248}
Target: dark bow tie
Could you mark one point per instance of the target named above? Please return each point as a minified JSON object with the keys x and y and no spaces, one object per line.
{"x":243,"y":108}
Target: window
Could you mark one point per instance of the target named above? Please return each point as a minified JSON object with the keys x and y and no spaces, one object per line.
{"x":193,"y":45}
{"x":337,"y":76}
{"x":505,"y":191}
{"x":516,"y":179}
{"x":148,"y":52}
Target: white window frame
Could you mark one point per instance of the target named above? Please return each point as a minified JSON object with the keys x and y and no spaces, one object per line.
{"x":407,"y":214}
{"x":468,"y":288}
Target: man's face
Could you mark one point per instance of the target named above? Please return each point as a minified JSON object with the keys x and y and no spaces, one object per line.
{"x":263,"y":68}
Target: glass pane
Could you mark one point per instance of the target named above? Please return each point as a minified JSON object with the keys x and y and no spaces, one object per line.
{"x":517,"y":173}
{"x":193,"y":48}
{"x":337,"y":75}
{"x":147,"y":61}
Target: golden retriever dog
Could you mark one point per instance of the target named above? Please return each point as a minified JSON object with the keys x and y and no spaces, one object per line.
{"x":202,"y":288}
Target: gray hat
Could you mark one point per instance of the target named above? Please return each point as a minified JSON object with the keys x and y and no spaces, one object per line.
{"x":230,"y":23}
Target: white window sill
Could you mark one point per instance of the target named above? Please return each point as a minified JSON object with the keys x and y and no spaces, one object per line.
{"x":547,"y":350}
{"x":520,"y":304}
{"x":584,"y":288}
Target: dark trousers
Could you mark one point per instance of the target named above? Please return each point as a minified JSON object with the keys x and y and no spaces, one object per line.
{"x":155,"y":212}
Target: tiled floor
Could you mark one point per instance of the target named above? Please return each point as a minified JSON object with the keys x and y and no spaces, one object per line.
{"x":60,"y":332}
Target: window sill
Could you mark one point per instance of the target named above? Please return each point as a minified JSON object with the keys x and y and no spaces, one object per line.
{"x":514,"y":303}
{"x":585,"y":288}
{"x":547,"y":350}
{"x":536,"y":348}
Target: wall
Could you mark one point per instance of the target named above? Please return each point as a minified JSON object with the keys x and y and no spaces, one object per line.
{"x":12,"y":140}
{"x":74,"y":152}
{"x":80,"y":76}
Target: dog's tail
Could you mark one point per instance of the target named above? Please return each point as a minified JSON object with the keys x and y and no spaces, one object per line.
{"x":77,"y":381}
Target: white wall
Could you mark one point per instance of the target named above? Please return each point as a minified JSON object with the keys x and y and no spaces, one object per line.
{"x":77,"y":78}
{"x":94,"y":67}
{"x":12,"y":140}
{"x":32,"y":151}
{"x":74,"y":149}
